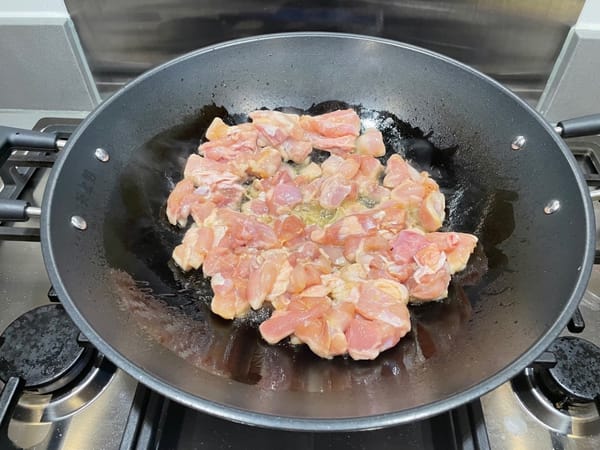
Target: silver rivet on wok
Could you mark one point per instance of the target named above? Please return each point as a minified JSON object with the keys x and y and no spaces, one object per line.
{"x":552,"y":207}
{"x":518,"y":143}
{"x":101,"y":154}
{"x":79,"y":222}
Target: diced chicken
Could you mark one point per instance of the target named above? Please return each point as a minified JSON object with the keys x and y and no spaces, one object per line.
{"x":397,"y":171}
{"x":308,"y":173}
{"x":295,"y":150}
{"x":370,"y":143}
{"x":429,"y":287}
{"x":342,"y":145}
{"x":265,"y":163}
{"x":408,"y":193}
{"x":201,"y":211}
{"x":275,"y":127}
{"x":255,"y":206}
{"x":370,"y":168}
{"x":432,"y":211}
{"x":336,"y":165}
{"x":217,"y":129}
{"x":288,"y":227}
{"x":315,"y":334}
{"x":334,"y":191}
{"x":209,"y":173}
{"x":231,"y":146}
{"x":457,"y":246}
{"x":262,"y":280}
{"x":180,"y":202}
{"x":333,"y":249}
{"x":385,"y":301}
{"x":338,"y":320}
{"x":283,"y":323}
{"x":229,"y":300}
{"x":191,"y":252}
{"x":283,"y":197}
{"x":334,"y":124}
{"x":302,"y":277}
{"x":367,"y":338}
{"x":406,"y":245}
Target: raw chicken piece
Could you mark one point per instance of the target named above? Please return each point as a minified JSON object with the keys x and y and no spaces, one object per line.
{"x":336,"y":165}
{"x":216,"y":130}
{"x":209,"y":173}
{"x":255,"y":206}
{"x":342,"y":145}
{"x":180,"y":201}
{"x":429,"y":287}
{"x":432,"y":211}
{"x":429,"y":260}
{"x":283,"y":132}
{"x":335,"y":124}
{"x":262,"y":280}
{"x":315,"y":334}
{"x":295,"y":150}
{"x":370,"y":168}
{"x":231,"y":146}
{"x":201,"y":211}
{"x":302,"y":277}
{"x":219,"y":129}
{"x":406,"y":245}
{"x":242,"y":230}
{"x":300,"y":310}
{"x":370,"y":143}
{"x":194,"y":247}
{"x":408,"y":193}
{"x":338,"y":320}
{"x":283,"y":197}
{"x":275,"y":127}
{"x":457,"y":246}
{"x":308,"y":173}
{"x":230,"y":299}
{"x":264,"y":163}
{"x":334,"y":190}
{"x":288,"y":227}
{"x":397,"y":171}
{"x":352,"y":225}
{"x":385,"y":301}
{"x":367,"y":338}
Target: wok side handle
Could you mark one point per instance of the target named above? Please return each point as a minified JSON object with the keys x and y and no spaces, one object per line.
{"x":17,"y":211}
{"x":579,"y":126}
{"x":8,"y":399}
{"x":11,"y":138}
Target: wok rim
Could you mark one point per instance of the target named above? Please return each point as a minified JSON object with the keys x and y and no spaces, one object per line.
{"x":299,"y":423}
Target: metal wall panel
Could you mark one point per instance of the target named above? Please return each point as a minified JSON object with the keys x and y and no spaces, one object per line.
{"x":514,"y":41}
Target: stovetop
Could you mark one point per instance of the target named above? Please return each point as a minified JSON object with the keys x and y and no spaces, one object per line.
{"x":105,"y":408}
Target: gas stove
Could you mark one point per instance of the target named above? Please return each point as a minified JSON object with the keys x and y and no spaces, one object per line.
{"x":60,"y":392}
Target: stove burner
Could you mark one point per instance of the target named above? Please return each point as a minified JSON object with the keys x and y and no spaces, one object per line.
{"x":576,"y":376}
{"x":41,"y":348}
{"x":563,"y":392}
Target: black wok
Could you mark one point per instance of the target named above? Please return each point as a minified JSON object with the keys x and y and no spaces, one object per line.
{"x":107,"y":246}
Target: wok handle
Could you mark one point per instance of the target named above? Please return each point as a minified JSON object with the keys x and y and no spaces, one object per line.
{"x":579,"y":126}
{"x":11,"y":138}
{"x":17,"y":211}
{"x":8,"y":398}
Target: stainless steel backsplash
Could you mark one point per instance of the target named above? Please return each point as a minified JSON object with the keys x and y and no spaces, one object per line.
{"x":514,"y":41}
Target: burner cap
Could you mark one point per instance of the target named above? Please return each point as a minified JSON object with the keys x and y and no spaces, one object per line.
{"x":41,"y":348}
{"x":576,"y":374}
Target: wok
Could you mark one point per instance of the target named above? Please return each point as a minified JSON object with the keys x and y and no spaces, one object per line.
{"x":508,"y":176}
